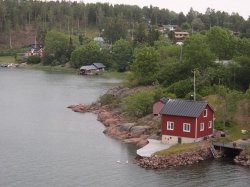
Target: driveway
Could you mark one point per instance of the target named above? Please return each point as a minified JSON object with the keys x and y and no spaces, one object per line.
{"x":152,"y":147}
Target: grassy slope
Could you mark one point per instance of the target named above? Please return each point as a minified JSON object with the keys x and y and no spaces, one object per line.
{"x":6,"y":59}
{"x":177,"y":149}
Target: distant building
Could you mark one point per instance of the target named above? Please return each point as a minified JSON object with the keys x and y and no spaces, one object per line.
{"x":34,"y":51}
{"x":170,"y":27}
{"x":181,"y":35}
{"x":94,"y":69}
{"x":158,"y":105}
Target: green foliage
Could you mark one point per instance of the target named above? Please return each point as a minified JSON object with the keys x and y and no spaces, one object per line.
{"x":80,"y":37}
{"x":146,"y":65}
{"x":140,"y":35}
{"x":106,"y":99}
{"x":86,"y":55}
{"x":181,"y":88}
{"x":207,"y":90}
{"x":221,"y":42}
{"x":218,"y":125}
{"x":122,"y":54}
{"x":139,"y":104}
{"x":56,"y":44}
{"x":153,"y":35}
{"x":33,"y":59}
{"x":177,"y":148}
{"x":227,"y":103}
{"x":171,"y":35}
{"x":162,"y":42}
{"x":185,"y":26}
{"x":115,"y":29}
{"x":196,"y":53}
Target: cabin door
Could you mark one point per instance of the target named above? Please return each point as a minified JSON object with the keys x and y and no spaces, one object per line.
{"x":179,"y":140}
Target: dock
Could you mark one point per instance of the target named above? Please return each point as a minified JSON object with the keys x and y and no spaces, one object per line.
{"x":238,"y":144}
{"x":152,"y":147}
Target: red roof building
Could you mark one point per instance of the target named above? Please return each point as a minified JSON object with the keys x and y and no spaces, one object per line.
{"x":158,"y":105}
{"x":186,"y":121}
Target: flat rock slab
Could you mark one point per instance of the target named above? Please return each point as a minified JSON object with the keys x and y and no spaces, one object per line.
{"x":152,"y":147}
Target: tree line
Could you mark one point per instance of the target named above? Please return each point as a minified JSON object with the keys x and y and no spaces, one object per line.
{"x":73,"y":17}
{"x":216,"y":52}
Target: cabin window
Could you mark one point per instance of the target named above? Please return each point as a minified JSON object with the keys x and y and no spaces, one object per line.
{"x":210,"y":124}
{"x":202,"y":127}
{"x":205,"y":113}
{"x":170,"y":125}
{"x":186,"y":127}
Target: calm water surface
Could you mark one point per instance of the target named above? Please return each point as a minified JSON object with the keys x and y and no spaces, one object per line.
{"x":43,"y":144}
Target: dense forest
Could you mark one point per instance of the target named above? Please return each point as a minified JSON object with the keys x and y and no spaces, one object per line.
{"x":217,"y":50}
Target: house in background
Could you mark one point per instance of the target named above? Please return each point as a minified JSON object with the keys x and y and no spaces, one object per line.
{"x":99,"y":66}
{"x":170,"y":27}
{"x":34,"y":51}
{"x":94,"y":69}
{"x":186,"y":121}
{"x":180,"y":35}
{"x":158,"y":105}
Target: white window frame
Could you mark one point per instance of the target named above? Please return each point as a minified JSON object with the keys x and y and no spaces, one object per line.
{"x":170,"y":125}
{"x":201,"y":126}
{"x":210,"y":124}
{"x":205,"y":113}
{"x":186,"y":127}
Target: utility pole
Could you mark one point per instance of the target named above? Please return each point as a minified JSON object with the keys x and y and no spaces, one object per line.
{"x":194,"y":86}
{"x":181,"y":53}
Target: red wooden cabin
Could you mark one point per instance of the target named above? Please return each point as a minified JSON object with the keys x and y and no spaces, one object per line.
{"x":186,"y":121}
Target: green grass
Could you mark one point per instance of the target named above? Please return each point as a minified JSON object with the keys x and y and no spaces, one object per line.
{"x":177,"y":149}
{"x":52,"y":68}
{"x":7,"y":59}
{"x":113,"y":74}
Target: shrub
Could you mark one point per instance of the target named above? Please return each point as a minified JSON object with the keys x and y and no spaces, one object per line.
{"x":33,"y":59}
{"x":139,"y":104}
{"x":107,"y":99}
{"x":181,"y":88}
{"x":207,"y":90}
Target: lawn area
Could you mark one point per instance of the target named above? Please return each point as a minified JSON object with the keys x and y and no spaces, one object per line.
{"x":113,"y":74}
{"x":52,"y":68}
{"x":177,"y":149}
{"x":7,"y":59}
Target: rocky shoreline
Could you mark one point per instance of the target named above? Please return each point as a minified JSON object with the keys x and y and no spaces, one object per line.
{"x":243,"y":159}
{"x":180,"y":159}
{"x":117,"y":127}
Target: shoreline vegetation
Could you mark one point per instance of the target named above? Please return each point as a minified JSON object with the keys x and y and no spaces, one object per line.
{"x":179,"y":155}
{"x":120,"y":127}
{"x":106,"y":74}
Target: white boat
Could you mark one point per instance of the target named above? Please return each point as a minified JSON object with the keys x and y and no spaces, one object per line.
{"x":4,"y":65}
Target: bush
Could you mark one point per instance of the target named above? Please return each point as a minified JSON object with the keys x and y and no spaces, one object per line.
{"x":107,"y":99}
{"x":139,"y":104}
{"x":33,"y":59}
{"x":21,"y":60}
{"x":181,"y":88}
{"x":218,"y":125}
{"x":207,"y":90}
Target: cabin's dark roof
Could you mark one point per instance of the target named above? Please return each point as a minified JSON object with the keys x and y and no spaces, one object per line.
{"x":90,"y":67}
{"x":99,"y":65}
{"x":185,"y":108}
{"x":35,"y":49}
{"x":164,"y":100}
